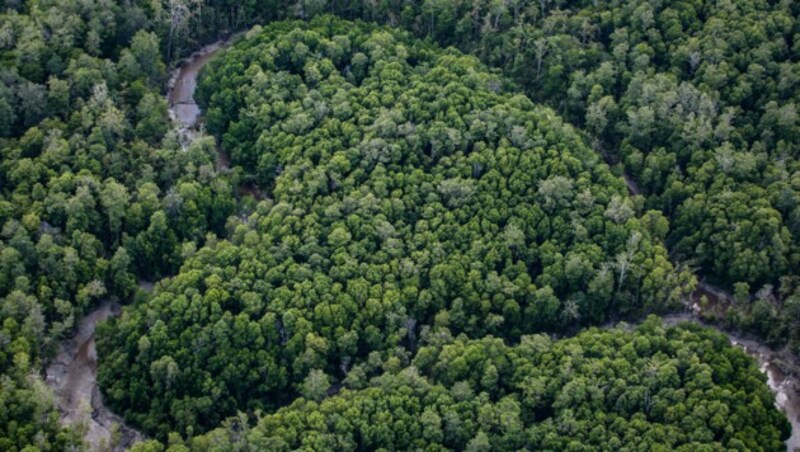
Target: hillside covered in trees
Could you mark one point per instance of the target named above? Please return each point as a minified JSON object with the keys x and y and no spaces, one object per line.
{"x":443,"y":190}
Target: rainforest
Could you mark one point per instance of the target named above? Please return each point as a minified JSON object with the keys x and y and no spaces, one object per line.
{"x":439,"y":225}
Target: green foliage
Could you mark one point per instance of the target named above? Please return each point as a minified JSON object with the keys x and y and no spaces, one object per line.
{"x":651,"y":389}
{"x":27,"y":416}
{"x":408,"y":190}
{"x":413,"y":197}
{"x":86,"y":161}
{"x":697,"y":102}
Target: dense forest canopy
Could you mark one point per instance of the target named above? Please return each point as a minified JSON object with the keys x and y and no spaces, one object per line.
{"x":408,"y":191}
{"x":696,"y":101}
{"x":418,"y":200}
{"x":651,"y":389}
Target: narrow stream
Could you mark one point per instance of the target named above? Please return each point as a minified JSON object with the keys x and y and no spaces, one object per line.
{"x":72,"y":375}
{"x":183,"y":109}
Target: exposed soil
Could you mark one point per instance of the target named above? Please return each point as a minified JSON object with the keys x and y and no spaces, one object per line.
{"x":146,"y":286}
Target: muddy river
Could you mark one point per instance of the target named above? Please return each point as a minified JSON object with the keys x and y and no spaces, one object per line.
{"x":182,"y":106}
{"x":183,"y":109}
{"x":73,"y":377}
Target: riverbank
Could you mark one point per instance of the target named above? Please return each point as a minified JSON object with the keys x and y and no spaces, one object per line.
{"x":72,"y":375}
{"x":183,"y":110}
{"x":185,"y":113}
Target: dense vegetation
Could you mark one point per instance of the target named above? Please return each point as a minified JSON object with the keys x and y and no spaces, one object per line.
{"x":415,"y":196}
{"x":652,"y":389}
{"x":409,"y":191}
{"x":696,"y":101}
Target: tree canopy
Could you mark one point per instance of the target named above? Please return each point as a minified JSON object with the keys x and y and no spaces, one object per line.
{"x":445,"y":191}
{"x":409,"y":190}
{"x":95,"y":191}
{"x":654,"y":388}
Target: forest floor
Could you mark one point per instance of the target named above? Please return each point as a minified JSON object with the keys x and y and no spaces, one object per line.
{"x":633,"y":188}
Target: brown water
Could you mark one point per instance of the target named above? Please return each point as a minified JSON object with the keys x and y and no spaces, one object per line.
{"x":73,"y":377}
{"x":73,"y":373}
{"x":785,"y":385}
{"x":183,"y":107}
